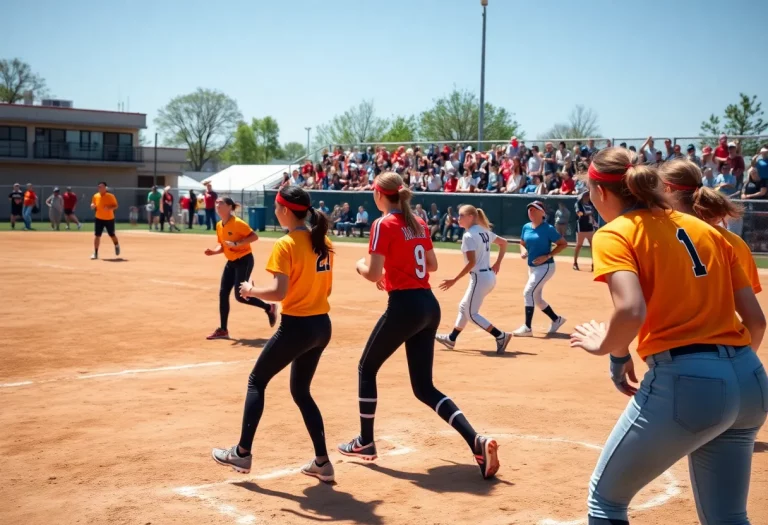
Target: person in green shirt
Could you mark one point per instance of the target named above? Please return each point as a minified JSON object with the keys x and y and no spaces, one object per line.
{"x":153,"y":208}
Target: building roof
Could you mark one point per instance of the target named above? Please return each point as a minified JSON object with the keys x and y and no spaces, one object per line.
{"x":72,"y":109}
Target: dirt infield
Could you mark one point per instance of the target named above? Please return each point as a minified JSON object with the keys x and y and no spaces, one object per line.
{"x":112,"y":399}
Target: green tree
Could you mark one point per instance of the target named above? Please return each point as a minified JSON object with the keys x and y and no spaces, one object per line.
{"x":242,"y":149}
{"x":293,"y":151}
{"x":267,"y":134}
{"x":582,"y":123}
{"x":402,"y":129}
{"x":204,"y":121}
{"x":456,"y":117}
{"x":357,"y":124}
{"x":16,"y":77}
{"x":743,"y":118}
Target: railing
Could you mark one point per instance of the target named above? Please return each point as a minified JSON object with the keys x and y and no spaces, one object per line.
{"x":12,"y":148}
{"x":87,"y":152}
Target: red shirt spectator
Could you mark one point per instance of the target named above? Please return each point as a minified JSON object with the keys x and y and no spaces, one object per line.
{"x":568,"y":186}
{"x":184,"y":202}
{"x":70,"y":200}
{"x":721,"y":151}
{"x":30,"y":198}
{"x":210,"y":197}
{"x":404,"y":254}
{"x":450,"y":184}
{"x":307,"y":168}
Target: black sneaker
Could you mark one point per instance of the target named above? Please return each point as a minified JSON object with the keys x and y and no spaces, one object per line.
{"x":486,"y":455}
{"x":356,"y":450}
{"x":272,"y":314}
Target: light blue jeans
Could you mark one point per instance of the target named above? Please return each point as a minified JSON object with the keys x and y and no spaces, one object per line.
{"x":26,"y":214}
{"x":707,"y":406}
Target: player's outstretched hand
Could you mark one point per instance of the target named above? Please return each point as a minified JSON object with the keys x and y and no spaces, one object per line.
{"x":380,"y":284}
{"x":447,"y":284}
{"x":496,"y":267}
{"x":589,"y":336}
{"x":208,"y":251}
{"x":523,"y":254}
{"x":245,"y":288}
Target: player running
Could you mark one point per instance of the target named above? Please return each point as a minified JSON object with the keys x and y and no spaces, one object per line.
{"x":683,"y":180}
{"x":17,"y":204}
{"x":536,"y":245}
{"x":476,"y":247}
{"x":401,"y":258}
{"x":302,"y":266}
{"x":70,"y":201}
{"x":235,"y":238}
{"x":585,"y":225}
{"x":104,"y":205}
{"x":676,"y":281}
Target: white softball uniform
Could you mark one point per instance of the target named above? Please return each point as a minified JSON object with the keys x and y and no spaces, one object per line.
{"x":481,"y":278}
{"x":537,"y":278}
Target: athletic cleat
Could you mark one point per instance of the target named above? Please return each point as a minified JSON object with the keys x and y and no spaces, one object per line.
{"x":272,"y":314}
{"x":556,"y":325}
{"x":324,"y":473}
{"x":218,"y":334}
{"x":79,"y":226}
{"x":94,"y":256}
{"x":487,"y":456}
{"x":502,"y":342}
{"x":445,"y":341}
{"x":523,"y":331}
{"x":229,"y":457}
{"x":117,"y":250}
{"x":356,"y":450}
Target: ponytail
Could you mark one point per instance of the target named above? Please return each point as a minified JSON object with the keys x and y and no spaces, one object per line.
{"x":684,"y":180}
{"x":482,"y":219}
{"x":633,"y":184}
{"x":711,"y":206}
{"x":391,"y":186}
{"x":645,"y":185}
{"x":319,"y":229}
{"x":404,"y":196}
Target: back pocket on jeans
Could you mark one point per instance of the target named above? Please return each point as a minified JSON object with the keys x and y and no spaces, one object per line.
{"x":699,"y":402}
{"x":762,"y":381}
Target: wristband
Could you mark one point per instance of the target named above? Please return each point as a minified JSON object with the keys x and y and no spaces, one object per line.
{"x":620,"y":360}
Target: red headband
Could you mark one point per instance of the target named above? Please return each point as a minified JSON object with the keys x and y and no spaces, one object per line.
{"x":681,"y":187}
{"x":605,"y":177}
{"x":290,"y":205}
{"x":385,"y":191}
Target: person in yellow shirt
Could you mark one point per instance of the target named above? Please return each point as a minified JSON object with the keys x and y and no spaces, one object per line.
{"x":677,"y":285}
{"x":104,"y":205}
{"x":301,"y":265}
{"x":683,"y":180}
{"x":235,"y":238}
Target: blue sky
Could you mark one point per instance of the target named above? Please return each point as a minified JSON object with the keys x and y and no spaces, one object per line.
{"x":652,"y":67}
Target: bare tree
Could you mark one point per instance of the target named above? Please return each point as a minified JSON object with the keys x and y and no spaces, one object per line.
{"x":356,"y":125}
{"x":582,"y":123}
{"x":16,"y":77}
{"x":204,"y":121}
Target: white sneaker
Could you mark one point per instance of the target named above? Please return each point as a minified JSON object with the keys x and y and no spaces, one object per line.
{"x":523,"y":331}
{"x":556,"y":325}
{"x":445,"y":341}
{"x":502,"y":342}
{"x":80,"y":226}
{"x":94,"y":256}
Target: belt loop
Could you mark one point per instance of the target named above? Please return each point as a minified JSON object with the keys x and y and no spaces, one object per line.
{"x":661,"y":357}
{"x":731,"y":351}
{"x":723,"y":351}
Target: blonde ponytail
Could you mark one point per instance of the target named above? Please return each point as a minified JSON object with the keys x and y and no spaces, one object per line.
{"x":482,"y":219}
{"x":397,"y":192}
{"x":684,"y":180}
{"x":639,"y":184}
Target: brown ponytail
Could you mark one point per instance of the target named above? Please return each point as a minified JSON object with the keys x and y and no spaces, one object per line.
{"x":392,"y":182}
{"x":640,"y":184}
{"x":683,"y":179}
{"x":317,"y":219}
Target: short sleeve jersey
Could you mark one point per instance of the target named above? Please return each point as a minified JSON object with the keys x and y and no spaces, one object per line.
{"x":102,"y":202}
{"x":688,"y":273}
{"x":235,"y":229}
{"x":744,"y":255}
{"x":309,"y":276}
{"x":478,"y":239}
{"x":539,"y":240}
{"x":404,"y":251}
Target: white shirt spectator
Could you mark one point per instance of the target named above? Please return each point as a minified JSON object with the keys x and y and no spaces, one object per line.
{"x":515,"y":183}
{"x":534,"y":164}
{"x":466,"y":182}
{"x":434,"y":182}
{"x":562,"y":156}
{"x":362,"y":217}
{"x":417,"y":180}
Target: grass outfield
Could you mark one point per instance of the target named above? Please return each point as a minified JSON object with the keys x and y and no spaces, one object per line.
{"x":586,"y":252}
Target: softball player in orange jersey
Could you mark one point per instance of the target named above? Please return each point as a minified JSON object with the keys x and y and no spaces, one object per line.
{"x":676,"y":284}
{"x":682,"y":179}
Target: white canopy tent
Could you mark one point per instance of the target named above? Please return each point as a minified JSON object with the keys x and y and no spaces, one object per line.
{"x":253,"y":177}
{"x":186,"y":183}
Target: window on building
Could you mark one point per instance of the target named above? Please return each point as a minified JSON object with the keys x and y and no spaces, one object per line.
{"x":13,"y":141}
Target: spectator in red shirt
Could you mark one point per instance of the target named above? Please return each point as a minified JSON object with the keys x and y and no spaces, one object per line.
{"x":736,"y":163}
{"x":452,"y":182}
{"x":210,"y":197}
{"x":721,"y":151}
{"x":70,"y":201}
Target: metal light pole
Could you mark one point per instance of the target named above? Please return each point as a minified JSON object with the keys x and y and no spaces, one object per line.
{"x":308,"y":130}
{"x":481,"y":124}
{"x":154,"y":176}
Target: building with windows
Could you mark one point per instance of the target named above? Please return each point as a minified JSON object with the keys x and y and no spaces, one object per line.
{"x":57,"y":145}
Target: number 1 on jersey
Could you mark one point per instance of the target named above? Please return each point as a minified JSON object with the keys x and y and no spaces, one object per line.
{"x":699,"y":270}
{"x":421,"y":261}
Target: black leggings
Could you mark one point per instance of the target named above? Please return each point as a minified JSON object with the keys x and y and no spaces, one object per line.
{"x":301,"y":341}
{"x":234,"y":273}
{"x":412,"y":317}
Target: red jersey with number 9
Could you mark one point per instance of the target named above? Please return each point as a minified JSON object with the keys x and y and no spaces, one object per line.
{"x":405,"y":259}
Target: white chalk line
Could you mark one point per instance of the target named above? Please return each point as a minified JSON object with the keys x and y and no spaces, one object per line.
{"x":182,"y":285}
{"x":128,"y":372}
{"x":243,"y":518}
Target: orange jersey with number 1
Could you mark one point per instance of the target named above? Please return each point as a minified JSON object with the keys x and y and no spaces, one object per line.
{"x":687,"y":271}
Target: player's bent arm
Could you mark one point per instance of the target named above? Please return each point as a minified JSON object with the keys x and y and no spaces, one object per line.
{"x":431,"y":258}
{"x":471,"y":258}
{"x":559,"y":247}
{"x":502,"y":243}
{"x":523,"y":249}
{"x":374,"y":270}
{"x":253,"y":237}
{"x":751,"y":314}
{"x":629,"y":312}
{"x":275,"y":291}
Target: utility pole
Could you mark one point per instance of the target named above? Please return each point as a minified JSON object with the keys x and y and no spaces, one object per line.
{"x":481,"y":124}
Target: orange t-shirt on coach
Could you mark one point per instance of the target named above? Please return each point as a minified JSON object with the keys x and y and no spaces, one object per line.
{"x":101,"y":202}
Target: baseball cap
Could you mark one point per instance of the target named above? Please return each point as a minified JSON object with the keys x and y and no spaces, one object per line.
{"x":691,"y":147}
{"x":69,"y":188}
{"x":763,"y":150}
{"x":731,"y":144}
{"x":536,"y":204}
{"x":55,"y":190}
{"x":706,"y":150}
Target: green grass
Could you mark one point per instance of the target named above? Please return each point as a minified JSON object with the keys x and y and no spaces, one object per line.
{"x":586,"y":252}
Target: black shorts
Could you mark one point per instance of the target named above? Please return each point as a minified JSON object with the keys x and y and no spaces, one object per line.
{"x":99,"y":225}
{"x":584,"y":228}
{"x":168,"y":212}
{"x":16,"y":211}
{"x":68,"y":211}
